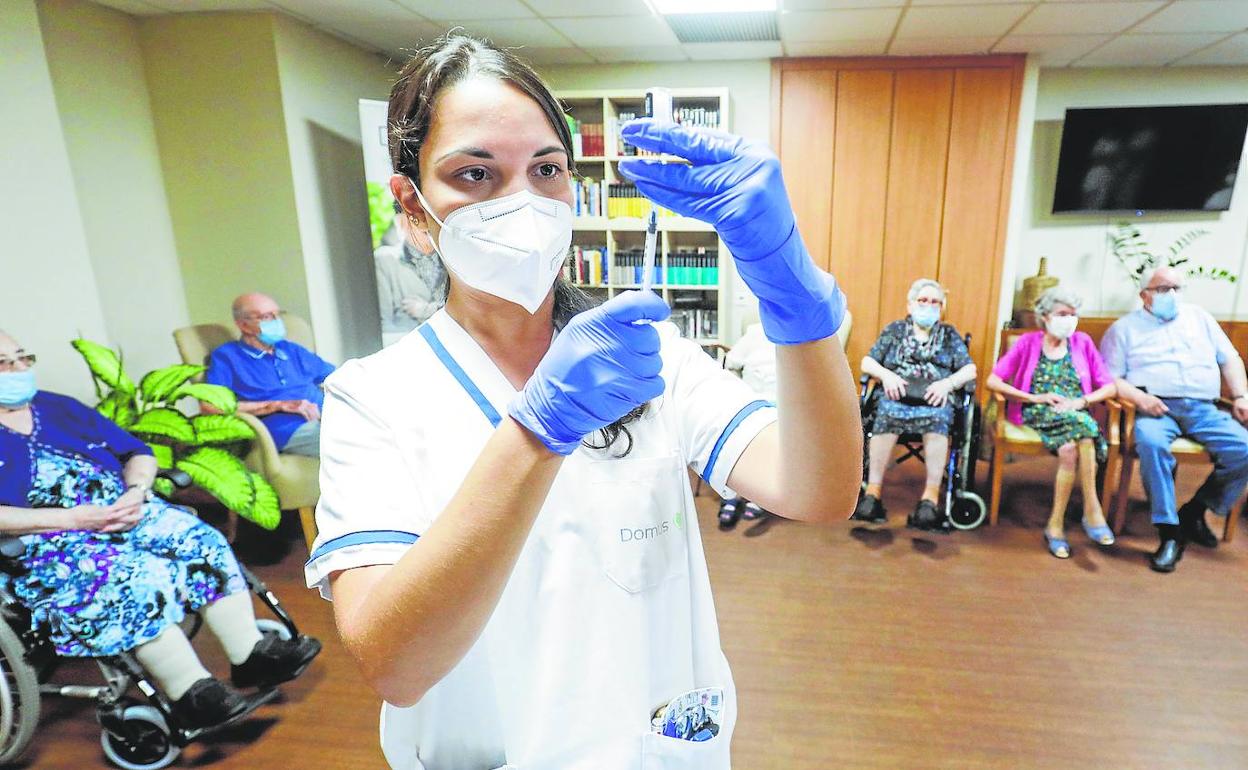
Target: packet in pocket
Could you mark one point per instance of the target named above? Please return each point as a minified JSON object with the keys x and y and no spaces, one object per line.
{"x":693,"y":716}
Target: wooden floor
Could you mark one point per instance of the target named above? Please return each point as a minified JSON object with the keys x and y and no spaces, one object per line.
{"x":881,"y":648}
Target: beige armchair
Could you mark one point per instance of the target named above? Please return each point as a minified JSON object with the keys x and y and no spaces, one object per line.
{"x":294,"y":477}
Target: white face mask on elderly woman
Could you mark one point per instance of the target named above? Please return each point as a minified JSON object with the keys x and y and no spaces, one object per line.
{"x":511,"y":247}
{"x":1062,"y":326}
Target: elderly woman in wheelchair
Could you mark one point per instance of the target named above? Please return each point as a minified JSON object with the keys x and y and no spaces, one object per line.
{"x":1051,"y":377}
{"x":919,"y":361}
{"x":104,"y":568}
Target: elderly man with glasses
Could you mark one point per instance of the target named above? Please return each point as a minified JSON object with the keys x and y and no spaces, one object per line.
{"x":274,"y":378}
{"x":1169,"y":359}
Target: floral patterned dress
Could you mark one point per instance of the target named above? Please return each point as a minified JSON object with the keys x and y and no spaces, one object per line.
{"x":1058,"y":428}
{"x":898,"y":349}
{"x":103,"y":593}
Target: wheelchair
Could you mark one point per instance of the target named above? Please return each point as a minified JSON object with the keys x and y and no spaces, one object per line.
{"x":137,"y":733}
{"x":961,"y":506}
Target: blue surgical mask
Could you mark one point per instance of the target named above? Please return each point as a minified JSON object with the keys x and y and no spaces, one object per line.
{"x":17,"y":388}
{"x":1166,"y":306}
{"x":272,"y":331}
{"x":925,"y":316}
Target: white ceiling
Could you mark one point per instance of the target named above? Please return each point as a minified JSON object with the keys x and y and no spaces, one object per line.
{"x":1060,"y":32}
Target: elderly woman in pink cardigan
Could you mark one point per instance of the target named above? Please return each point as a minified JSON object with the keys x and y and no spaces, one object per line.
{"x":1051,"y":378}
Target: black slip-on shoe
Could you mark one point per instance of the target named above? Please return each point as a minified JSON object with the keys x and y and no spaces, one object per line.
{"x":1195,"y":528}
{"x":275,"y":660}
{"x":209,"y":702}
{"x":1166,"y":557}
{"x":870,"y":509}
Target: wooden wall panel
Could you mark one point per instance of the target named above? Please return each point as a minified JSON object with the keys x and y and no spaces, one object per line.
{"x":922,"y":100}
{"x":808,"y":103}
{"x":930,"y":137}
{"x":976,"y":182}
{"x":859,"y":189}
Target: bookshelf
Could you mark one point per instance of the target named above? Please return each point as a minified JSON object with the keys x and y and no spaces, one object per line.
{"x":693,"y":265}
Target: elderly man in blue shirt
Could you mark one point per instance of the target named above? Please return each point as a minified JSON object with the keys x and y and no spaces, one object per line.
{"x":1169,"y":359}
{"x":275,"y":379}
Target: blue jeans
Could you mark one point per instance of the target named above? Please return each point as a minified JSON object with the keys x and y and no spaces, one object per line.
{"x":1224,"y":438}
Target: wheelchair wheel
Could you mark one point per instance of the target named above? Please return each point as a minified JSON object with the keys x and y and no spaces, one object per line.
{"x":268,"y":624}
{"x":145,"y":742}
{"x":969,"y":511}
{"x":19,"y":696}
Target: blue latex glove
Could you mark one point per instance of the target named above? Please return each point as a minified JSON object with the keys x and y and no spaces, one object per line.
{"x":736,"y":186}
{"x":600,"y":367}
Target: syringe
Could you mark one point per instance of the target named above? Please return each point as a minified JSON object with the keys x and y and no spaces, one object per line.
{"x":647,"y":260}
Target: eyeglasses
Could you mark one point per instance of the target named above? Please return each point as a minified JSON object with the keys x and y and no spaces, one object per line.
{"x":9,"y":364}
{"x":260,"y":317}
{"x":929,"y":301}
{"x":1165,"y":290}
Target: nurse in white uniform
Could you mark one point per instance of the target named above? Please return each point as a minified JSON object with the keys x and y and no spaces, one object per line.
{"x":507,"y":529}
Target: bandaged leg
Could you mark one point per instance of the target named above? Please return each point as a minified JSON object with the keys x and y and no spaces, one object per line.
{"x":172,"y":662}
{"x":233,"y":622}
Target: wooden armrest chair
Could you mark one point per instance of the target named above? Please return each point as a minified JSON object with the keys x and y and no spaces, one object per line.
{"x":1006,"y":437}
{"x":295,"y":478}
{"x":1186,"y":452}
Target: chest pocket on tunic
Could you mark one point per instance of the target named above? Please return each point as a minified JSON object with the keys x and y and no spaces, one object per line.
{"x":638,"y":518}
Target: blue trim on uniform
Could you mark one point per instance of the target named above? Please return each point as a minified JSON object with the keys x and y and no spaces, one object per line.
{"x":459,"y":374}
{"x":364,"y":538}
{"x":736,"y":421}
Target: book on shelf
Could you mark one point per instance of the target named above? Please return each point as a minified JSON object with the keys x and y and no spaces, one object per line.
{"x":629,"y":267}
{"x":698,"y":323}
{"x":588,"y":139}
{"x":625,"y":200}
{"x":590,"y":196}
{"x":693,"y":267}
{"x":587,"y":266}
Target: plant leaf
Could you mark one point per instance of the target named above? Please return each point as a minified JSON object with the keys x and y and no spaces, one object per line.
{"x":221,"y":428}
{"x":119,"y":407}
{"x":166,"y":422}
{"x":104,"y":364}
{"x":221,"y":475}
{"x":218,"y":395}
{"x":267,"y":511}
{"x":163,"y":487}
{"x":159,"y":384}
{"x":164,"y":456}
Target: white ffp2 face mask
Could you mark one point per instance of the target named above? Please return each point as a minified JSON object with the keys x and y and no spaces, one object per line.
{"x":1062,"y":326}
{"x":511,"y":247}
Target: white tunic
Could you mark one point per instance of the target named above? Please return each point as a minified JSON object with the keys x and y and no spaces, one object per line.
{"x":608,"y":613}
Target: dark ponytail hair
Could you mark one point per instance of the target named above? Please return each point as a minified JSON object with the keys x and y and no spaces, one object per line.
{"x":446,"y":62}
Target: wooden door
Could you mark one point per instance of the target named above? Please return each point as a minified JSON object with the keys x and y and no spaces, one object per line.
{"x":899,"y":169}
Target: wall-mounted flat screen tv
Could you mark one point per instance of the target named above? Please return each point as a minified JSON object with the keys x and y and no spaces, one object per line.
{"x":1150,"y":158}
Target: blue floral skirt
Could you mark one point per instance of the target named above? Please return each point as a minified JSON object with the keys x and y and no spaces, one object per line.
{"x":105,"y":593}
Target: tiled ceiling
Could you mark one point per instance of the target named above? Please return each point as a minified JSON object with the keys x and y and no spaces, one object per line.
{"x":1061,"y":33}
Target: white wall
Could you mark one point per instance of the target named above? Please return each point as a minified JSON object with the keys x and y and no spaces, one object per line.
{"x":1077,"y":245}
{"x":107,"y":121}
{"x":1018,"y":220}
{"x":322,"y":80}
{"x":49,"y":283}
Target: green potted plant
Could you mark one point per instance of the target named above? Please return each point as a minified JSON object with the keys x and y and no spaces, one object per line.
{"x":1136,"y":256}
{"x":206,"y":447}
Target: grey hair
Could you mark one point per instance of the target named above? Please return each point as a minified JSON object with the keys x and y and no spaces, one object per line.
{"x":1147,"y":276}
{"x":1058,"y":295}
{"x":922,"y":284}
